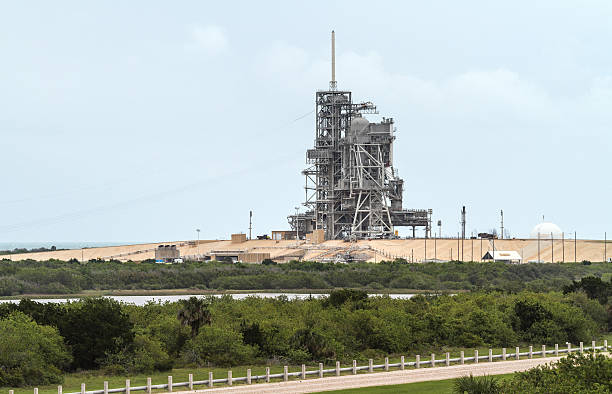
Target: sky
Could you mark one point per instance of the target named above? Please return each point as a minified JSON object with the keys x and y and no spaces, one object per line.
{"x":146,"y":120}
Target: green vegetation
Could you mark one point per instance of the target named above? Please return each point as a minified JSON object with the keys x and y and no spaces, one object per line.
{"x":57,"y":277}
{"x":577,"y":373}
{"x":120,"y":339}
{"x":24,"y":250}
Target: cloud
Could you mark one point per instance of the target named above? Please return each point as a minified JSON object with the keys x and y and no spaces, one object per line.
{"x":211,"y":38}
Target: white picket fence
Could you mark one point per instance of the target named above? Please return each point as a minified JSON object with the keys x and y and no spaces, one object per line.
{"x":337,"y":371}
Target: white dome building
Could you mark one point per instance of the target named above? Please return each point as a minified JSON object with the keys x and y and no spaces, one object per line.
{"x":546,"y":229}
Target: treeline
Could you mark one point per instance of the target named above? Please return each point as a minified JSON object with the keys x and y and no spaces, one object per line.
{"x":25,"y":250}
{"x":57,"y":277}
{"x":39,"y":342}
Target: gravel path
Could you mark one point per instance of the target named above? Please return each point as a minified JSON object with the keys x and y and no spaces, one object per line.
{"x":382,"y":378}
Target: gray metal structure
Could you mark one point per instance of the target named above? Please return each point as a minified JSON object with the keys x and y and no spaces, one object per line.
{"x":352,"y":189}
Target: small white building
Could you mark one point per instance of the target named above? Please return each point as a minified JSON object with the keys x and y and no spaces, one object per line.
{"x":506,"y":256}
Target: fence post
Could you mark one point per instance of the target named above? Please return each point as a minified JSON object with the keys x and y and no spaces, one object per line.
{"x":82,"y":389}
{"x":386,"y":364}
{"x":543,"y":350}
{"x":593,"y":346}
{"x":518,"y":353}
{"x":190,"y":381}
{"x":354,"y":367}
{"x":490,"y":355}
{"x":127,"y":386}
{"x":402,"y":363}
{"x":148,"y":385}
{"x":504,"y":354}
{"x":303,"y":372}
{"x":461,"y":358}
{"x":285,"y":373}
{"x":210,"y":379}
{"x":447,"y":359}
{"x":475,"y":356}
{"x":605,"y":345}
{"x":337,"y":368}
{"x":11,"y":392}
{"x":229,"y":378}
{"x":59,"y":389}
{"x":556,"y":350}
{"x":249,"y":376}
{"x":267,"y":374}
{"x":320,"y":370}
{"x":170,"y":383}
{"x":530,"y":351}
{"x":433,"y":360}
{"x":581,"y":347}
{"x":35,"y":390}
{"x":569,"y":348}
{"x":417,"y":363}
{"x":105,"y":387}
{"x":370,"y":365}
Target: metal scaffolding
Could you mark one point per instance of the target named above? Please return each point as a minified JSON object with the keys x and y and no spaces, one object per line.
{"x":352,"y":189}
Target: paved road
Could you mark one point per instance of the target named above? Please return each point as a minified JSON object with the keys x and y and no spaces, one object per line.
{"x":314,"y":385}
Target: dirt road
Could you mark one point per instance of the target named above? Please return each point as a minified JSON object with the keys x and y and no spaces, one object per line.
{"x":383,"y":378}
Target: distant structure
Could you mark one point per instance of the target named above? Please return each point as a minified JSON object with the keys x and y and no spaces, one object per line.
{"x":506,"y":256}
{"x":166,"y":254}
{"x":545,"y":230}
{"x":352,"y":189}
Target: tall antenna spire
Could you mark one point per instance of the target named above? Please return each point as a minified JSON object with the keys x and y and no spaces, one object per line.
{"x":332,"y":83}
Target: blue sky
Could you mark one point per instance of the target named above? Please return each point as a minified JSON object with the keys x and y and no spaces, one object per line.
{"x":144,"y":120}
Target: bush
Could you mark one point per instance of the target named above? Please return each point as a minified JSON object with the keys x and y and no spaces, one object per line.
{"x":30,"y":354}
{"x":219,"y":347}
{"x":476,"y":385}
{"x":577,"y":373}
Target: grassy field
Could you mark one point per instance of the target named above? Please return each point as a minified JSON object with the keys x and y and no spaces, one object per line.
{"x":433,"y":387}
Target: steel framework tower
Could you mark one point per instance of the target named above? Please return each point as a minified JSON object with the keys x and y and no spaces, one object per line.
{"x":352,"y":189}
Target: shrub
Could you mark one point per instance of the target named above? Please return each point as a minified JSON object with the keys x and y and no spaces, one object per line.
{"x":476,"y":385}
{"x":30,"y":354}
{"x":219,"y":347}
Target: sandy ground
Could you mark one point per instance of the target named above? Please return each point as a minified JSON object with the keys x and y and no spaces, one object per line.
{"x":314,"y":385}
{"x":375,"y":250}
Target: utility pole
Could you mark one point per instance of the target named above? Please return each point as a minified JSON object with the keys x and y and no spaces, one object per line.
{"x":297,"y":225}
{"x":538,"y":247}
{"x":502,"y":224}
{"x":458,"y":257}
{"x":563,"y":246}
{"x":435,"y":247}
{"x":251,"y":224}
{"x":463,"y":222}
{"x":425,"y":254}
{"x":198,"y":231}
{"x":552,"y":247}
{"x":440,"y":229}
{"x":605,"y":247}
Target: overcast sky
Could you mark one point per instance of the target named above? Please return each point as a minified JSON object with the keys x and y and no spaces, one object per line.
{"x":144,"y":120}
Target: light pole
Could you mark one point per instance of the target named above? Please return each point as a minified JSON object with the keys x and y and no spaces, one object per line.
{"x":198,"y":231}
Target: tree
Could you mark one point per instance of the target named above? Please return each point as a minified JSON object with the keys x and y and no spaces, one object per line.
{"x":94,"y":327}
{"x":194,"y":313}
{"x":30,"y":353}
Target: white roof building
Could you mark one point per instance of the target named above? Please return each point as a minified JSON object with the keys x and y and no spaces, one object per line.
{"x":508,"y":256}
